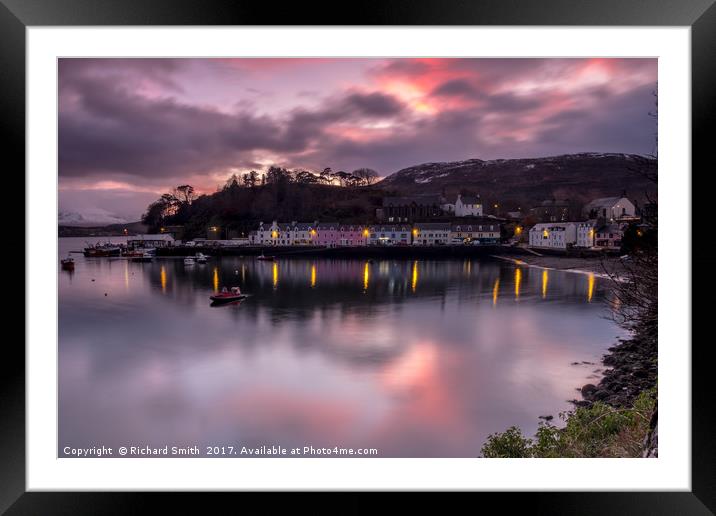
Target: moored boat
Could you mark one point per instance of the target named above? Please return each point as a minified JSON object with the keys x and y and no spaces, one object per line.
{"x":201,"y":258}
{"x":102,"y":250}
{"x":68,"y":264}
{"x":189,"y":261}
{"x":265,"y":258}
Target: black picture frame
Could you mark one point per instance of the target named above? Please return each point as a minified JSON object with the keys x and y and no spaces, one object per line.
{"x":700,"y":15}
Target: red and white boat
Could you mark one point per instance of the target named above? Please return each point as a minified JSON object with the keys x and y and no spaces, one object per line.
{"x":226,"y":296}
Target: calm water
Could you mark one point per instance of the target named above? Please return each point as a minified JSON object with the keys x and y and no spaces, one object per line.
{"x":414,"y":358}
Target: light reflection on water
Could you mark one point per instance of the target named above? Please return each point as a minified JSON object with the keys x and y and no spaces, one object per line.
{"x":415,"y":358}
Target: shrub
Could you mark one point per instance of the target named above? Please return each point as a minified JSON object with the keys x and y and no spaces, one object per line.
{"x":596,"y":431}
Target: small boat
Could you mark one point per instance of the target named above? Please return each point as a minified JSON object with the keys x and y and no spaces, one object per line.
{"x":102,"y":250}
{"x":265,"y":258}
{"x":189,"y":261}
{"x":226,"y":296}
{"x":201,"y":258}
{"x":68,"y":264}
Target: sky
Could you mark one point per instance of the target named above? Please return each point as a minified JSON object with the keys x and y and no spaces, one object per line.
{"x":132,"y":129}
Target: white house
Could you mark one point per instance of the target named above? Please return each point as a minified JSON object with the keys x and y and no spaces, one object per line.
{"x":553,"y":235}
{"x":468,"y":206}
{"x":389,"y":234}
{"x":431,"y":233}
{"x":464,"y":206}
{"x":284,"y":233}
{"x":585,"y":233}
{"x":482,"y":232}
{"x":610,"y":208}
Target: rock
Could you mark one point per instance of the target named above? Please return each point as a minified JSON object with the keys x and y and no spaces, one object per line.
{"x":588,"y":389}
{"x":600,"y":395}
{"x":546,"y":418}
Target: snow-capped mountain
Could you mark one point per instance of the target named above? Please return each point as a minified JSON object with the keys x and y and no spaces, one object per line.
{"x":528,"y":181}
{"x":91,"y":217}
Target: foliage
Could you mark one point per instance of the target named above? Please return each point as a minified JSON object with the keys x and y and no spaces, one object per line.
{"x":279,"y":194}
{"x":596,"y":431}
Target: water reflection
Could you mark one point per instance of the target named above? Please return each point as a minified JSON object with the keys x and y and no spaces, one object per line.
{"x":427,"y":371}
{"x":163,"y":278}
{"x":215,"y":280}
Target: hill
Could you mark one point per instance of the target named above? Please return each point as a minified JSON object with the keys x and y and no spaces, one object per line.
{"x":527,"y":182}
{"x":133,"y":228}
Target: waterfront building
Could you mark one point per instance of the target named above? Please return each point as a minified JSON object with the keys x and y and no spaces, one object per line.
{"x":482,"y":232}
{"x":585,"y":233}
{"x":157,"y":240}
{"x":327,"y":234}
{"x":609,"y":236}
{"x":353,"y":235}
{"x":285,"y":233}
{"x":389,"y":234}
{"x":431,"y":233}
{"x":610,"y":209}
{"x":553,"y":235}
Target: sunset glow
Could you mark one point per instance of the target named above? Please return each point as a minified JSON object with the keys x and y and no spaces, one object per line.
{"x":129,"y":129}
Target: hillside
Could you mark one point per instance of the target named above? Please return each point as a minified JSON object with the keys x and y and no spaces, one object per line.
{"x":527,"y":182}
{"x":133,"y":228}
{"x":511,"y":184}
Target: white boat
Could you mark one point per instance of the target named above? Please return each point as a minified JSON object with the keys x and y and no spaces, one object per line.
{"x":189,"y":261}
{"x":201,"y":258}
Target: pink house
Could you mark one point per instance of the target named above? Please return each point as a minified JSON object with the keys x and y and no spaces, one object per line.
{"x":333,"y":234}
{"x":353,"y":235}
{"x":327,"y":234}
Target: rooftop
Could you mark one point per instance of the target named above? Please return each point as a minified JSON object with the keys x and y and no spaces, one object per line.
{"x":157,"y":236}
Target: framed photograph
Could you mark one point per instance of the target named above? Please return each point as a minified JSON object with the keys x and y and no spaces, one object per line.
{"x":417,"y":250}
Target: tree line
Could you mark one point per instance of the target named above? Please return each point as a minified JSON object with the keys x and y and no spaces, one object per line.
{"x":277,"y":175}
{"x":244,"y":200}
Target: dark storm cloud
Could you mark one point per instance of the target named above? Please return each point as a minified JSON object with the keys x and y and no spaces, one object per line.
{"x":110,"y":130}
{"x":137,"y":120}
{"x":455,"y":88}
{"x":373,"y":104}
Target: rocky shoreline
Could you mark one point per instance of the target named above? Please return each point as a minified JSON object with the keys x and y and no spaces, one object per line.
{"x":632,"y":369}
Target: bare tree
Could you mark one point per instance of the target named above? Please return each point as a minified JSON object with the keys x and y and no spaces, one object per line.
{"x":367,"y":175}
